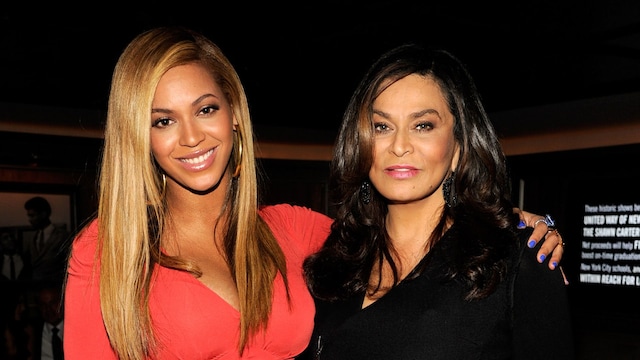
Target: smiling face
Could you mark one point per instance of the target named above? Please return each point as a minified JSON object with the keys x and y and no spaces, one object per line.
{"x":191,"y":128}
{"x":414,"y":146}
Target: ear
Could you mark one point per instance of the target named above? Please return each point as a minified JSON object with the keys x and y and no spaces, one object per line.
{"x":456,"y":157}
{"x":235,"y":123}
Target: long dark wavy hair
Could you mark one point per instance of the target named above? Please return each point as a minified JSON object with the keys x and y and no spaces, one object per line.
{"x":482,"y":215}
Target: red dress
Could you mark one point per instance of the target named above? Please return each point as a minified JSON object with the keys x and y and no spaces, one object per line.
{"x":191,"y":321}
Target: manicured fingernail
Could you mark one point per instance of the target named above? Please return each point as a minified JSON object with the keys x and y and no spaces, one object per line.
{"x":522,"y":224}
{"x":531,"y":243}
{"x":554,"y":264}
{"x":542,"y":257}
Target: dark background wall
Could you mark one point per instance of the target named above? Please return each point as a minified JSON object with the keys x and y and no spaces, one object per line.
{"x":560,"y":78}
{"x":606,"y":317}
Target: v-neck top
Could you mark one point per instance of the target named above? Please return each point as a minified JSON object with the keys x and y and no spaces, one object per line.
{"x":526,"y":317}
{"x":189,"y":319}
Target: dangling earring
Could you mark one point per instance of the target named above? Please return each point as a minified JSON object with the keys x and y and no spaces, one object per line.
{"x":365,"y":192}
{"x":164,"y":186}
{"x":236,"y":172}
{"x":449,"y":191}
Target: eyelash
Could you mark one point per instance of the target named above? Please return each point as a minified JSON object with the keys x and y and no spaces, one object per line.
{"x":425,"y":126}
{"x":210,"y":109}
{"x":420,"y":127}
{"x":166,"y":121}
{"x":162,"y":122}
{"x":378,"y":127}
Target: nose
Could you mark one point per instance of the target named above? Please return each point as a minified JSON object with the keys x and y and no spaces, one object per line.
{"x":191,"y":134}
{"x":401,"y":144}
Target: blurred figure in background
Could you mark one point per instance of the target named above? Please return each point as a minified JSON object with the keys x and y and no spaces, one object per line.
{"x":47,"y":249}
{"x":13,"y":263}
{"x":14,"y":279}
{"x":47,"y":330}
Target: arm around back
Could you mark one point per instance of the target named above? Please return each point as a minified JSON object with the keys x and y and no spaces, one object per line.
{"x":542,"y":326}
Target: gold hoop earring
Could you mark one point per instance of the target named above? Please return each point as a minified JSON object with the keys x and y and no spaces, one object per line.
{"x":236,"y":172}
{"x":164,"y":186}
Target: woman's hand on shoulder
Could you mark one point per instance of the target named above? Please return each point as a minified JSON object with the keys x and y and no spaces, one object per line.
{"x":552,"y":244}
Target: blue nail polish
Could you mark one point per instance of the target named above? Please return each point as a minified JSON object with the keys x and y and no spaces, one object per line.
{"x":554,"y":264}
{"x":542,"y":257}
{"x":522,"y":224}
{"x":531,"y":243}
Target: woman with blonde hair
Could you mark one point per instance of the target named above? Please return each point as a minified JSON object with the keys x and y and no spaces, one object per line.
{"x":182,"y":260}
{"x":179,"y":262}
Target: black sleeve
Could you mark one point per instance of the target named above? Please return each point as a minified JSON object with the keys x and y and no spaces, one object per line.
{"x":541,"y":316}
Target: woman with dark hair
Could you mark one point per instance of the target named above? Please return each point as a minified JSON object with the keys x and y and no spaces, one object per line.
{"x":424,"y":259}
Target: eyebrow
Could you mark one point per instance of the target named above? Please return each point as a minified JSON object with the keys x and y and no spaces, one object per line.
{"x":413,"y":115}
{"x":195,"y":102}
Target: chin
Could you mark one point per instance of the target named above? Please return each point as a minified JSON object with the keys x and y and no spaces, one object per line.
{"x":202,"y":190}
{"x":210,"y":185}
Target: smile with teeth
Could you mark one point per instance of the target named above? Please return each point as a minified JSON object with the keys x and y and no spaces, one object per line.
{"x":197,"y":160}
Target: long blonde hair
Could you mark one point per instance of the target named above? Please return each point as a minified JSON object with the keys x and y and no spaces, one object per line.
{"x":131,"y":210}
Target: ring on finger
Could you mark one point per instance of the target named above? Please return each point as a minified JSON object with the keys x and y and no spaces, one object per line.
{"x":561,"y":242}
{"x":548,"y":220}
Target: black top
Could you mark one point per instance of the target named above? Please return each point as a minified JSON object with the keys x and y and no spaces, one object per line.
{"x":527,"y":317}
